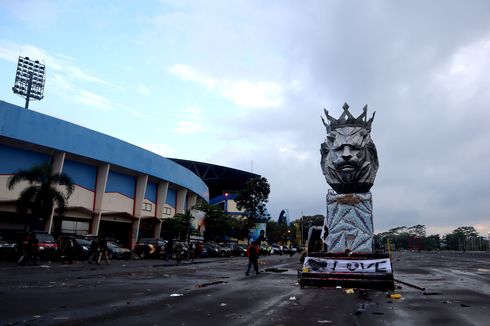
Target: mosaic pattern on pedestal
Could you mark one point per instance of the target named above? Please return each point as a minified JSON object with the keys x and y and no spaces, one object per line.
{"x":349,"y":222}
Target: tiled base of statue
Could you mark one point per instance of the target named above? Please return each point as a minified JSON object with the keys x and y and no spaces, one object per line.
{"x":349,"y":222}
{"x":349,"y":163}
{"x":349,"y":260}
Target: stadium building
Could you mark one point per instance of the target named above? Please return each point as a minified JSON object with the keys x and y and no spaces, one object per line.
{"x":121,"y":190}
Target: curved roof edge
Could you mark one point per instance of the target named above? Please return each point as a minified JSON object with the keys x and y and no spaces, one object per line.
{"x":40,"y":129}
{"x":218,"y":178}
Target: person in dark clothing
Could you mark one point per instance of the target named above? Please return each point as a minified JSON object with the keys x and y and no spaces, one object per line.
{"x":69,"y":250}
{"x":169,"y":249}
{"x":253,"y":258}
{"x":103,"y":251}
{"x":94,"y":251}
{"x":30,"y":247}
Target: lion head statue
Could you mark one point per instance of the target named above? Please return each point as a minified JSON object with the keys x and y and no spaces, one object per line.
{"x":349,"y":159}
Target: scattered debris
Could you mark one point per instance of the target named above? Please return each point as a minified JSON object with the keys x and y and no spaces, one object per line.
{"x":292,"y":298}
{"x":411,"y":285}
{"x":378,"y":313}
{"x":324,"y":321}
{"x":223,"y":304}
{"x":211,"y":283}
{"x":276,"y":270}
{"x":447,"y":301}
{"x":464,"y":305}
{"x":176,"y":295}
{"x":349,"y":291}
{"x":432,"y":293}
{"x":338,"y":287}
{"x":61,"y":318}
{"x":36,"y":316}
{"x":395,"y":296}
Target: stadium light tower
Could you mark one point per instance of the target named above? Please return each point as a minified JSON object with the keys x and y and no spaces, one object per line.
{"x":29,"y":79}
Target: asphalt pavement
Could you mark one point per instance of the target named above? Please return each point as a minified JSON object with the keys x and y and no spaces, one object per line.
{"x":432,"y":289}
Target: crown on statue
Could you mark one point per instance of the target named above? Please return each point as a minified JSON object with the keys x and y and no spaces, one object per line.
{"x":346,"y":119}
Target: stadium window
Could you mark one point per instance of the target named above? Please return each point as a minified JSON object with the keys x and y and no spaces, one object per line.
{"x":147,"y":207}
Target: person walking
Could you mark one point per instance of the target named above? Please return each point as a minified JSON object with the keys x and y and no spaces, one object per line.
{"x":103,"y":251}
{"x":94,"y":250}
{"x":253,"y":258}
{"x":30,"y":246}
{"x":169,"y":249}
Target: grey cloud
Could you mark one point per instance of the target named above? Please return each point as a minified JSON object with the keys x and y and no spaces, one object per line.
{"x":433,"y":161}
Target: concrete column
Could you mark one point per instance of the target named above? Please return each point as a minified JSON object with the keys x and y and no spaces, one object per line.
{"x":191,"y":201}
{"x":181,"y":195}
{"x":138,"y":205}
{"x":161,"y":199}
{"x":57,"y":165}
{"x":102,"y":176}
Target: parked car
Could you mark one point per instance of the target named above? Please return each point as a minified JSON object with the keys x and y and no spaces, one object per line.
{"x":8,"y":246}
{"x":224,"y":251}
{"x":237,"y":250}
{"x":82,"y":248}
{"x":201,"y":250}
{"x":150,"y":248}
{"x":117,"y":252}
{"x":281,"y":250}
{"x":212,"y":250}
{"x":48,"y":247}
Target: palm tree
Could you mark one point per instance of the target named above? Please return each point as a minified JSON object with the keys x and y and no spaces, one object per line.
{"x":41,"y":195}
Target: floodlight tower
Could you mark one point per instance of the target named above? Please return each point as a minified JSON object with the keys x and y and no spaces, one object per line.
{"x":29,"y":79}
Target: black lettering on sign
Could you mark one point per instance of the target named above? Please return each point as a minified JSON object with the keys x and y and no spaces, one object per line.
{"x":366,"y":267}
{"x":352,"y":266}
{"x":379,"y":268}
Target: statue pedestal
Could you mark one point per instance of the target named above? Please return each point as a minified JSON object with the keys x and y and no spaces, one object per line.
{"x":349,"y":222}
{"x":349,"y":260}
{"x":365,"y":271}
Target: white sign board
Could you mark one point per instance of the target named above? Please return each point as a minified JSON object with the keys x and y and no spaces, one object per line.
{"x":330,"y":265}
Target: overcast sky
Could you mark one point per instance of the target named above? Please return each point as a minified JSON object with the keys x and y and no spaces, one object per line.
{"x":243,"y":84}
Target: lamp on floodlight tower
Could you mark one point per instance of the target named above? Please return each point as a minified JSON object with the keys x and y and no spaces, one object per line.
{"x":29,"y":79}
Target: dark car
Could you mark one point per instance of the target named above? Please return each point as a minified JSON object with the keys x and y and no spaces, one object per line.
{"x":237,"y":250}
{"x":114,"y":251}
{"x":217,"y":250}
{"x":82,"y":248}
{"x":212,"y":250}
{"x":8,"y":246}
{"x":150,"y":248}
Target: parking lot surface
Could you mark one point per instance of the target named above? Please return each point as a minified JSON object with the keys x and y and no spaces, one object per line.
{"x":445,"y":288}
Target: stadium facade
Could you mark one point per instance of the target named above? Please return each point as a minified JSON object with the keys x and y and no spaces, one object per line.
{"x":121,"y":190}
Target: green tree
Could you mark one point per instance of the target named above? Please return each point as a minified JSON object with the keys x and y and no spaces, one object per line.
{"x":432,"y":242}
{"x":216,"y":222}
{"x":456,"y":240}
{"x":252,"y":199}
{"x":178,"y":227}
{"x":276,"y":232}
{"x":418,"y":231}
{"x":41,"y":195}
{"x":238,"y":228}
